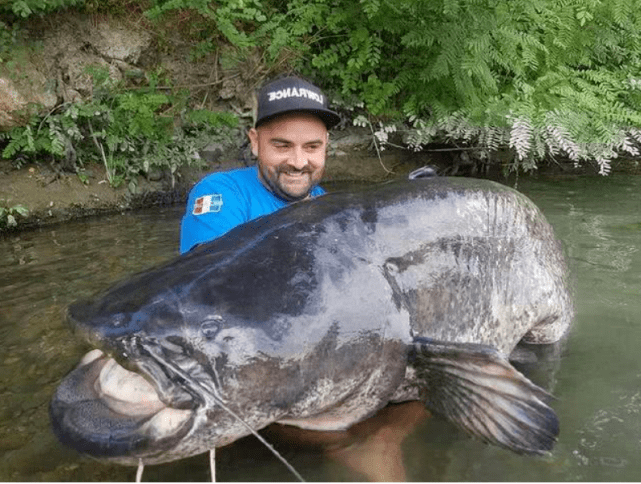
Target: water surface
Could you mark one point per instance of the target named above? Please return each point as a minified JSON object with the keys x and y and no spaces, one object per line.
{"x":596,"y":379}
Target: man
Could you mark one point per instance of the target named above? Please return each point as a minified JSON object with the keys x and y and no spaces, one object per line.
{"x":289,"y":139}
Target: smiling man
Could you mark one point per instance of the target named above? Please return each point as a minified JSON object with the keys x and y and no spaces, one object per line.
{"x":289,"y":139}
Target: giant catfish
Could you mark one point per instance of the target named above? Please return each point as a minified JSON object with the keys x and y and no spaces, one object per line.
{"x":321,"y":314}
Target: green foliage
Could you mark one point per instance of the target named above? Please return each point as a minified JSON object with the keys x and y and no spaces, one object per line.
{"x":199,"y":117}
{"x":130,"y":132}
{"x":25,"y":8}
{"x":9,"y":215}
{"x":233,"y":20}
{"x":7,"y":40}
{"x":545,"y":78}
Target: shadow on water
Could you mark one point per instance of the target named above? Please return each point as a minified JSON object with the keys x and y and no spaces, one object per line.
{"x":596,"y":378}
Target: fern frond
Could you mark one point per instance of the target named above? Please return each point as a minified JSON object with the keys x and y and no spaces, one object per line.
{"x":520,"y":137}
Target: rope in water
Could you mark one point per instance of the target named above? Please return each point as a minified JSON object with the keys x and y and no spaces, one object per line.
{"x":141,"y":467}
{"x":212,"y":464}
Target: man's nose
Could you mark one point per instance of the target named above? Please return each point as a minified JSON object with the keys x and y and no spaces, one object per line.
{"x":299,"y":158}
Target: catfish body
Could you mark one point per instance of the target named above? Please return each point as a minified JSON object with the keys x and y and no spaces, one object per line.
{"x":321,"y":314}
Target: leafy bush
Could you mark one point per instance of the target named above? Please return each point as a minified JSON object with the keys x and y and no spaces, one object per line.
{"x":9,"y":215}
{"x":131,"y":132}
{"x":543,"y":77}
{"x":546,"y":78}
{"x":25,"y":8}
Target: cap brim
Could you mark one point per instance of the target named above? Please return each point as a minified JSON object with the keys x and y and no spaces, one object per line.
{"x":330,"y":118}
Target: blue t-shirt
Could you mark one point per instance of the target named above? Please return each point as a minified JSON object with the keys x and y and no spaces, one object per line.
{"x":221,"y":201}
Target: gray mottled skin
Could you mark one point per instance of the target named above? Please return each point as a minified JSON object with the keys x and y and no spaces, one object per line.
{"x":305,"y":316}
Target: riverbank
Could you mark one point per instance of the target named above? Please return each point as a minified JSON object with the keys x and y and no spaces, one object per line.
{"x":52,"y":197}
{"x":56,"y":54}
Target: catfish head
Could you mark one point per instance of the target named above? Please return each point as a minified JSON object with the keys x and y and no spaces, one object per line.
{"x":223,"y":341}
{"x":185,"y":363}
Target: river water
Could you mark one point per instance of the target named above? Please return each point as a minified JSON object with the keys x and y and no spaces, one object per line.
{"x":596,"y":378}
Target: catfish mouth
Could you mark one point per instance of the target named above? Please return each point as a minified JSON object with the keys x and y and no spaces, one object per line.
{"x":105,"y":411}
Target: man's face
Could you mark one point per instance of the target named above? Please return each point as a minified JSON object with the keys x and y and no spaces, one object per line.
{"x":291,"y":152}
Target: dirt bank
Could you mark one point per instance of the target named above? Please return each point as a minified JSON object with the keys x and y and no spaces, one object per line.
{"x":52,"y":197}
{"x":68,"y":44}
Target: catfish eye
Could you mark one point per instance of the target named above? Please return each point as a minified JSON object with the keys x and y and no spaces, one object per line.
{"x":211,"y":327}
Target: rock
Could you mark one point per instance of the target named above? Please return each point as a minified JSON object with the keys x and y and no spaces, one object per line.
{"x":119,"y":41}
{"x":213,"y":152}
{"x":52,"y":67}
{"x":23,"y":91}
{"x":352,"y":138}
{"x":155,"y":175}
{"x":78,"y":43}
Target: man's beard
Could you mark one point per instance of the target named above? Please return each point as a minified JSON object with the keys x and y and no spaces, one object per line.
{"x":275,"y":186}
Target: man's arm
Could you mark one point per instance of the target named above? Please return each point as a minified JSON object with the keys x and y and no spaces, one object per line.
{"x":220,"y":202}
{"x":214,"y":207}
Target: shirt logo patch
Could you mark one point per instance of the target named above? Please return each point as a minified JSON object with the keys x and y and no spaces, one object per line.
{"x":208,"y":203}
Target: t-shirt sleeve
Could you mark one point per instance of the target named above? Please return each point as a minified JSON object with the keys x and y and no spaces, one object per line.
{"x":214,"y":207}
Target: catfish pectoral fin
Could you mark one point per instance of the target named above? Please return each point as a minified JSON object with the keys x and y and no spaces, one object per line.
{"x":475,"y":387}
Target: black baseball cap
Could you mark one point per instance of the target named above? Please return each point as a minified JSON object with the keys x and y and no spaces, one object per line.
{"x":290,"y":94}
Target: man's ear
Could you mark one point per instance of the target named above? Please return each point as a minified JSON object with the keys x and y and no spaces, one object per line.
{"x":253,"y":138}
